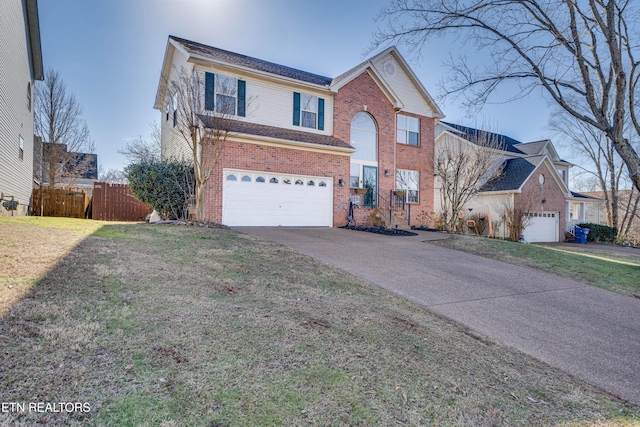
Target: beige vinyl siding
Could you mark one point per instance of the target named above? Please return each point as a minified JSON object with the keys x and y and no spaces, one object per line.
{"x":404,"y":88}
{"x":174,"y":146}
{"x":16,"y":175}
{"x":271,"y":103}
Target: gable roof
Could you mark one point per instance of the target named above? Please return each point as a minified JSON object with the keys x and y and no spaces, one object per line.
{"x":219,"y":55}
{"x":504,"y":142}
{"x":367,"y":65}
{"x":248,"y":128}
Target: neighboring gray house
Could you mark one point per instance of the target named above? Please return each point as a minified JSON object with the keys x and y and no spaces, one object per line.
{"x":20,"y":66}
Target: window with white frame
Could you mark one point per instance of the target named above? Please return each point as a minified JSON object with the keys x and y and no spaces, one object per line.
{"x":174,"y":105}
{"x":226,"y":94}
{"x":408,"y":131}
{"x":308,"y":111}
{"x":364,"y":138}
{"x":409,"y":181}
{"x":21,"y":148}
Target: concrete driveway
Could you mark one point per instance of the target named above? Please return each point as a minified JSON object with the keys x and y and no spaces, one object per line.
{"x":589,"y":332}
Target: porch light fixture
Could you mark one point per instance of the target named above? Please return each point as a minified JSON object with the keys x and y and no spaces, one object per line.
{"x":544,"y":201}
{"x":341,"y":182}
{"x":386,"y":172}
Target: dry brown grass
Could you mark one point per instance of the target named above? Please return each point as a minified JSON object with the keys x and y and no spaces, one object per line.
{"x":177,"y":326}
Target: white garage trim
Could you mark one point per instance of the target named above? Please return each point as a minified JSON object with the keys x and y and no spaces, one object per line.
{"x":253,"y":198}
{"x":542,"y":227}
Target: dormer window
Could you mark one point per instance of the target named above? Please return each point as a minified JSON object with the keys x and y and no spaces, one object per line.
{"x":308,"y":111}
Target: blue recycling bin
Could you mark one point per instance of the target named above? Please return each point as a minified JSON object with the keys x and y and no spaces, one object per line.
{"x":581,"y":235}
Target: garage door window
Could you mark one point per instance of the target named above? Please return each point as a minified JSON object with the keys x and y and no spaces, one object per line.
{"x":231,"y":178}
{"x":246,"y":178}
{"x":322,"y":184}
{"x":273,"y":181}
{"x":311,"y":183}
{"x":260,"y":179}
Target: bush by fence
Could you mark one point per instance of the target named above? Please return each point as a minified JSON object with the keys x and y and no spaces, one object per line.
{"x":165,"y":185}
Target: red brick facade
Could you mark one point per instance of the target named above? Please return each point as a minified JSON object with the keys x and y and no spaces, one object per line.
{"x":362,"y":94}
{"x":550,"y":192}
{"x":266,"y":158}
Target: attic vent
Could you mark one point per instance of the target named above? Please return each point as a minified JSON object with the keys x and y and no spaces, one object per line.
{"x":389,"y":68}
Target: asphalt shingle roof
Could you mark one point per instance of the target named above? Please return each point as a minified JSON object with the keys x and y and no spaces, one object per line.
{"x":514,"y":173}
{"x":503,"y":142}
{"x":280,"y":133}
{"x":583,"y":196}
{"x":249,"y":62}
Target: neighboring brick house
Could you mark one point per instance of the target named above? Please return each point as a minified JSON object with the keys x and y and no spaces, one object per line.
{"x":20,"y":66}
{"x":531,"y":175}
{"x":302,"y":143}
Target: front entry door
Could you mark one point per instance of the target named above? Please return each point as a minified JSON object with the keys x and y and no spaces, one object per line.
{"x":370,"y":182}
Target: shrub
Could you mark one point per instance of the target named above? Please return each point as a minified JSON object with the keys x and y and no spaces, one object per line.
{"x":600,"y":233}
{"x":166,"y":186}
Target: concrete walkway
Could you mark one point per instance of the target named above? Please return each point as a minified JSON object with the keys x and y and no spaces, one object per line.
{"x":589,"y":332}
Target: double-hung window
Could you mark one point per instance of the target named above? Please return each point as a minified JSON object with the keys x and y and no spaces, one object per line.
{"x":408,"y":131}
{"x":409,"y":181}
{"x":225,"y":95}
{"x":308,"y":111}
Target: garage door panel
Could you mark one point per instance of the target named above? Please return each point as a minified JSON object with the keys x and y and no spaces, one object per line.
{"x":542,"y":227}
{"x":276,"y":204}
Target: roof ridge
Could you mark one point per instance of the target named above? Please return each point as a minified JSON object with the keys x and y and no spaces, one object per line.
{"x":252,"y":62}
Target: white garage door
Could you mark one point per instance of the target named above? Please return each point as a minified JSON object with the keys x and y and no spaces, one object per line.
{"x":262,"y":199}
{"x":543,"y":227}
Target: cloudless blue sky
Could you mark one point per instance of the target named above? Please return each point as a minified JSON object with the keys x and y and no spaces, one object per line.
{"x":109,"y":54}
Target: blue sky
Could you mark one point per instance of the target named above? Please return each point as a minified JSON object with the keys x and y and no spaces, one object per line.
{"x":110,"y":52}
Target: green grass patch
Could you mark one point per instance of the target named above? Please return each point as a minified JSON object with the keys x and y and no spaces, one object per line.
{"x":610,"y":270}
{"x":189,"y":326}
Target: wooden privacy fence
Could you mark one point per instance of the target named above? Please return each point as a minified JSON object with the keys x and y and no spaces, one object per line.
{"x":59,"y":202}
{"x":116,"y":202}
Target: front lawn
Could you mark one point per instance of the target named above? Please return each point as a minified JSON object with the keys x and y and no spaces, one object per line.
{"x":616,"y":271}
{"x":189,"y":326}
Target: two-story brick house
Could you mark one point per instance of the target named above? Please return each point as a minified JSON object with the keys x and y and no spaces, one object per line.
{"x":302,"y":143}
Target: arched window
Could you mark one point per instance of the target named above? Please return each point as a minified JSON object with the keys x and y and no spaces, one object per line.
{"x":273,"y":180}
{"x":364,"y":137}
{"x":246,"y":178}
{"x":260,"y":179}
{"x":231,"y":178}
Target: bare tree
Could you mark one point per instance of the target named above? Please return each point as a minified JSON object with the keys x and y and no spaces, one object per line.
{"x":604,"y":164}
{"x":516,"y":216}
{"x":581,"y":53}
{"x":144,"y":150}
{"x":461,"y":168}
{"x":205,"y":130}
{"x":112,"y":176}
{"x":605,"y":167}
{"x":64,"y":135}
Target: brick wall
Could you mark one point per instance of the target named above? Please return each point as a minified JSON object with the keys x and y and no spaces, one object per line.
{"x":266,"y":158}
{"x":550,"y":191}
{"x":363,"y":94}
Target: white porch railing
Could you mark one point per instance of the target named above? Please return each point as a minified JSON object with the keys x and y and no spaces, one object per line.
{"x":571,"y":225}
